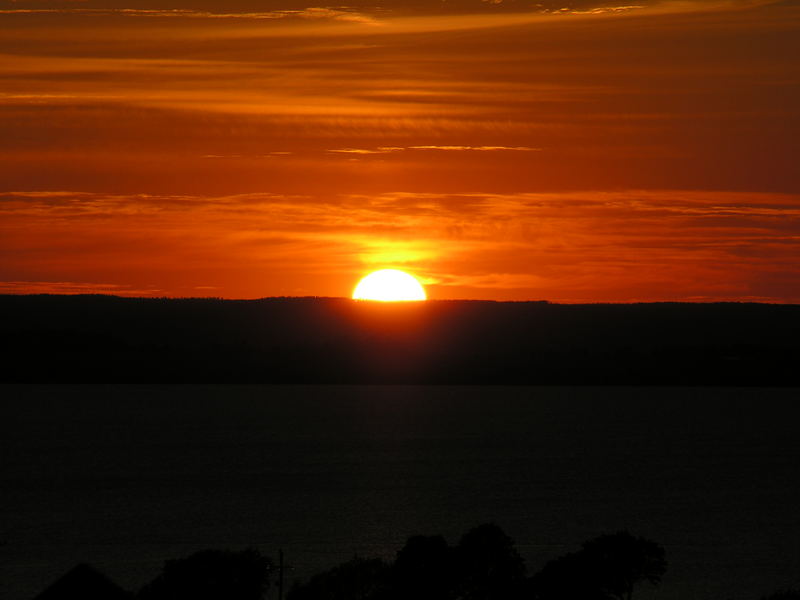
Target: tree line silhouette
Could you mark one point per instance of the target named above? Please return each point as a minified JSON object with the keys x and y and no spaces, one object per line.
{"x":483,"y":565}
{"x":83,"y":339}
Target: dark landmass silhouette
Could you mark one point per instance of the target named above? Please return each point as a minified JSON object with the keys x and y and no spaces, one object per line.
{"x":483,"y":565}
{"x":64,"y":339}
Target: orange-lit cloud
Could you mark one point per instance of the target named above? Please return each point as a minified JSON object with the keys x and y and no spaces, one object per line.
{"x":588,"y":246}
{"x":335,"y":14}
{"x":275,"y":148}
{"x":388,"y":149}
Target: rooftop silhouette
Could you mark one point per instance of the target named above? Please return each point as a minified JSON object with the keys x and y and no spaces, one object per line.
{"x":84,"y":582}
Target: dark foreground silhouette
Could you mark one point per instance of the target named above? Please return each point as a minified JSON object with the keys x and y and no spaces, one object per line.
{"x":84,"y":582}
{"x":212,"y":575}
{"x":319,"y":340}
{"x":484,"y":565}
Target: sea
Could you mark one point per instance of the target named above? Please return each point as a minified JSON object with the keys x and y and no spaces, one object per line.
{"x":125,"y":477}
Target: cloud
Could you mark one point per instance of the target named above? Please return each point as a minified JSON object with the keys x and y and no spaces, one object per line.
{"x":476,"y":148}
{"x":390,"y":149}
{"x":74,"y":287}
{"x":247,"y":156}
{"x":334,"y":14}
{"x":601,"y":10}
{"x":350,"y":20}
{"x":363,"y":150}
{"x":199,"y":108}
{"x":578,"y":246}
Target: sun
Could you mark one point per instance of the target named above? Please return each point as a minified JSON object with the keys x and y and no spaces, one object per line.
{"x":389,"y":285}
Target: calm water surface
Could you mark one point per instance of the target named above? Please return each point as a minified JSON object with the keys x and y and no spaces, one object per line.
{"x":125,"y":477}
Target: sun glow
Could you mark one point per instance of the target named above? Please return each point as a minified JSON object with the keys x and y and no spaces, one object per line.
{"x":389,"y":285}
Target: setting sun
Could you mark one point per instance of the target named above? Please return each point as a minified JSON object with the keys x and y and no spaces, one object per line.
{"x":389,"y":285}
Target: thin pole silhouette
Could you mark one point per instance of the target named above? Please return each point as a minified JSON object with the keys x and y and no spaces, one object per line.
{"x":280,"y":574}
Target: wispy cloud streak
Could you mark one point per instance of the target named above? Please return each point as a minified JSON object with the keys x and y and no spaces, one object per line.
{"x":390,"y":149}
{"x":335,"y":14}
{"x":510,"y":131}
{"x":615,"y":246}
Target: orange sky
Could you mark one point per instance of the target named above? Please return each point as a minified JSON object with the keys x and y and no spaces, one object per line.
{"x":578,"y":151}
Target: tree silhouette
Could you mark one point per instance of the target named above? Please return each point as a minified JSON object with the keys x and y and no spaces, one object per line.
{"x":607,"y":567}
{"x":211,"y":575}
{"x":423,"y":569}
{"x":621,"y":561}
{"x":357,"y":579}
{"x":488,"y":566}
{"x":569,"y":577}
{"x":485,"y":565}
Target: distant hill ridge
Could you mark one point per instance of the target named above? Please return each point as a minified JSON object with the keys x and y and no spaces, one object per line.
{"x":94,"y":338}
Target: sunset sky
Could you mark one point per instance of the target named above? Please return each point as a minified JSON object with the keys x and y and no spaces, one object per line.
{"x":574,"y":151}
